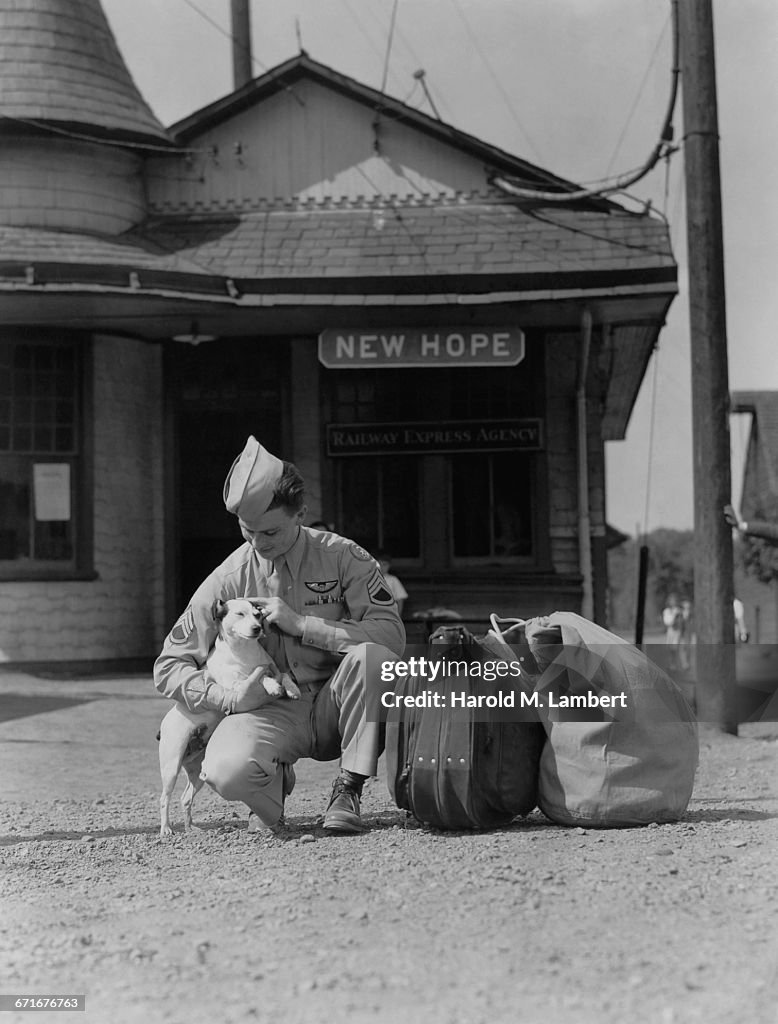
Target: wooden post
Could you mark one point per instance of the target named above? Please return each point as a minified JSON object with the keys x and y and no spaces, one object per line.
{"x":713,"y":563}
{"x":640,"y":613}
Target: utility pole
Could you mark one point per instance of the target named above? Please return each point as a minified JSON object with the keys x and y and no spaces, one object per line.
{"x":713,"y":586}
{"x":240,"y":19}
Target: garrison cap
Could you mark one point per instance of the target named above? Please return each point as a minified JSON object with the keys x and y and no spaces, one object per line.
{"x":251,"y":482}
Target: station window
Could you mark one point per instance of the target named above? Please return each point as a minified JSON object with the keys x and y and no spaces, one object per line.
{"x":41,"y":459}
{"x":491,"y":506}
{"x":439,"y":509}
{"x":379,"y":504}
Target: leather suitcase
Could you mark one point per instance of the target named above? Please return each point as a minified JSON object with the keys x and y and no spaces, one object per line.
{"x":477,"y":768}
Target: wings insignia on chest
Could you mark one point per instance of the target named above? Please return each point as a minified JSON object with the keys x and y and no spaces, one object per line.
{"x":325,"y":590}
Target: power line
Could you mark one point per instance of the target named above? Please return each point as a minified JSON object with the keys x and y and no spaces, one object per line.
{"x":663,"y":148}
{"x":360,"y":25}
{"x":389,"y":46}
{"x":229,"y":35}
{"x":496,"y":80}
{"x":225,"y":32}
{"x":638,"y":96}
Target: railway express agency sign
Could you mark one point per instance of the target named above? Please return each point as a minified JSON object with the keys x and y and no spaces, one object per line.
{"x":345,"y":349}
{"x":435,"y":437}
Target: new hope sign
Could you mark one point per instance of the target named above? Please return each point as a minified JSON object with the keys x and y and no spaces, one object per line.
{"x":464,"y":346}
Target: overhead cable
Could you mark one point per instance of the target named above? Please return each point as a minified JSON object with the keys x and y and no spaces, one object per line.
{"x":229,"y":35}
{"x":389,"y":47}
{"x":663,"y":148}
{"x":495,"y":78}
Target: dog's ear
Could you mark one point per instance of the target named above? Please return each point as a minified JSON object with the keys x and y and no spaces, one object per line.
{"x":219,"y":610}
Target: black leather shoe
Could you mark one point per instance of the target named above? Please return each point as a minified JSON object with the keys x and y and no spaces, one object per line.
{"x":342,"y":814}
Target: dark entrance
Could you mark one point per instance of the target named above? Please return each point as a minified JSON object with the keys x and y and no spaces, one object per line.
{"x":222,"y":392}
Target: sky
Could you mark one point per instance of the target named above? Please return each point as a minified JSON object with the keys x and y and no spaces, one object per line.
{"x":578,"y":87}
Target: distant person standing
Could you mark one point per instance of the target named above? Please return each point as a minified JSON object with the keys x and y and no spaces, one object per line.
{"x":674,"y":623}
{"x":753,"y":528}
{"x":741,"y":633}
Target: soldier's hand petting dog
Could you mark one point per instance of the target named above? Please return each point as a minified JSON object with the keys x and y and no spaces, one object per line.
{"x":249,"y":694}
{"x":278,"y":613}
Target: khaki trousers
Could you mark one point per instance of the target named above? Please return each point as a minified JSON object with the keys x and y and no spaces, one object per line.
{"x":249,"y":756}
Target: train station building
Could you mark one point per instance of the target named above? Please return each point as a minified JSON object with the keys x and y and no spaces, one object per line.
{"x":440,"y":335}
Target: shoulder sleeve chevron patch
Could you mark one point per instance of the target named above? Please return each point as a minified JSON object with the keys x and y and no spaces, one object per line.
{"x":378,"y":591}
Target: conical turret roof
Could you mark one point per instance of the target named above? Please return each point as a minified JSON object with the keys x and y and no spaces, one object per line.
{"x":60,"y":66}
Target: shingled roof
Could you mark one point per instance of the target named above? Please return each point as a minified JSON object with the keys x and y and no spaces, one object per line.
{"x":60,"y":67}
{"x":489,"y":246}
{"x":38,"y":248}
{"x":364,"y":249}
{"x":475,"y":241}
{"x":490,"y":237}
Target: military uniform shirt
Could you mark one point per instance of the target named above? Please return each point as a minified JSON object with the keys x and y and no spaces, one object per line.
{"x":330,"y":580}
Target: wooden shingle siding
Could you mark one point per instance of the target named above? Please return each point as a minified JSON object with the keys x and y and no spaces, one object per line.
{"x":95,"y":188}
{"x":324,"y":149}
{"x":59,"y":63}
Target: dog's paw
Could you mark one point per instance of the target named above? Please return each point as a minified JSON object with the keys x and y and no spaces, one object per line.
{"x":166,"y":830}
{"x":273,"y":686}
{"x":290,"y":688}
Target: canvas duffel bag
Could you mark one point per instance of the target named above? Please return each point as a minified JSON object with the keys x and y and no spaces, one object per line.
{"x":633,"y":767}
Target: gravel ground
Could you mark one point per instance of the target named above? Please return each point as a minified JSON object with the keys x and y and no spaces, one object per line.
{"x":533,"y":923}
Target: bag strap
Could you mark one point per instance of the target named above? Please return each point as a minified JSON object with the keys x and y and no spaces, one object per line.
{"x":500,"y":632}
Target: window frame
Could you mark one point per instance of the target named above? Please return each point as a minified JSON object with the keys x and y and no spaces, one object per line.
{"x":382,"y":544}
{"x":80,"y":461}
{"x":486,"y":393}
{"x":516,"y":561}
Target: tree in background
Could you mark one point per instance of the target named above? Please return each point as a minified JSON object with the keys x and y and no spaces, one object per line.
{"x":757,"y":557}
{"x":670,"y":570}
{"x":671,"y":564}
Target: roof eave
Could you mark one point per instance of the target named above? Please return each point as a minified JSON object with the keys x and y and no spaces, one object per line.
{"x":51,"y":273}
{"x":99,"y":134}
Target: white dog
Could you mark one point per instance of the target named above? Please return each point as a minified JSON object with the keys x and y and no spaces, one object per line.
{"x":183,"y":735}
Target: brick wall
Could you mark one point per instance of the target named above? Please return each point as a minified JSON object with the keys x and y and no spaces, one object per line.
{"x":119,"y":614}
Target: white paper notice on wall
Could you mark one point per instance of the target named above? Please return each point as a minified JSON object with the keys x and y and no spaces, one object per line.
{"x":51,"y":488}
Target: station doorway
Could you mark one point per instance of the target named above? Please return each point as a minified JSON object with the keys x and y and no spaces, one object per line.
{"x":222,"y":392}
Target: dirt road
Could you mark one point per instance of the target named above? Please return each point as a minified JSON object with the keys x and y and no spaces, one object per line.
{"x":534,"y":923}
